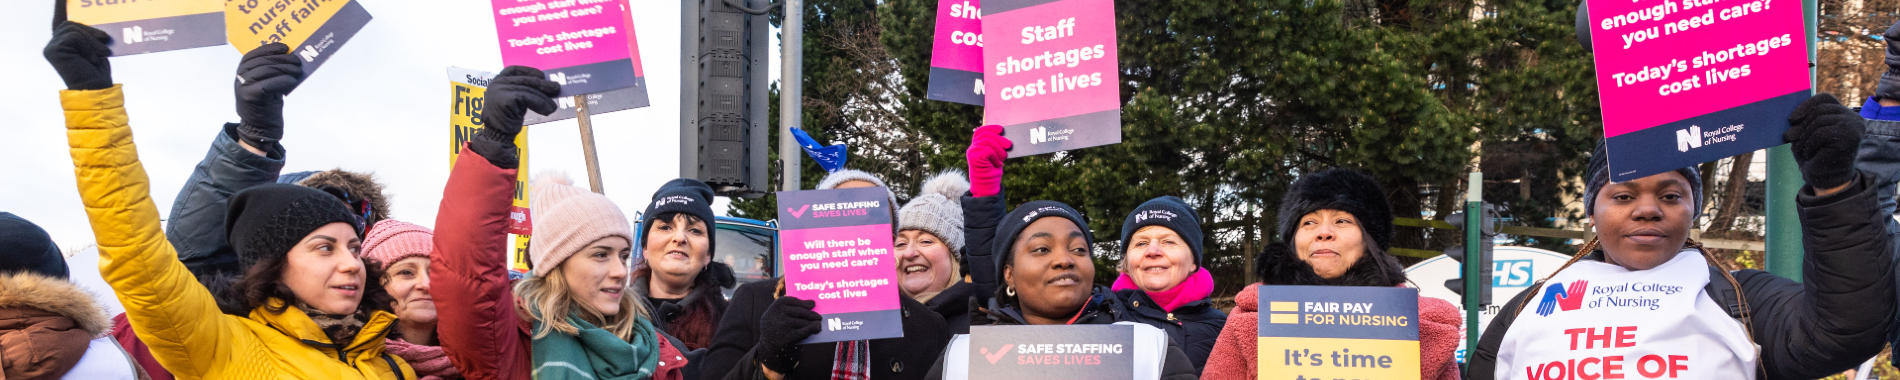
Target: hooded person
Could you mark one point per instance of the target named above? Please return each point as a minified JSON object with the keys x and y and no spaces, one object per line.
{"x":1335,"y":227}
{"x":1162,"y":279}
{"x":403,"y":249}
{"x":1041,"y":257}
{"x":313,"y":307}
{"x":677,"y":275}
{"x":1745,"y":324}
{"x":758,"y":337}
{"x":574,"y":316}
{"x":50,"y":328}
{"x":929,"y":247}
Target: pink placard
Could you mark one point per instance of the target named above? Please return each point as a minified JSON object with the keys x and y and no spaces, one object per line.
{"x":1662,"y":61}
{"x":1050,"y":76}
{"x":844,"y":268}
{"x":959,"y":41}
{"x":582,"y":44}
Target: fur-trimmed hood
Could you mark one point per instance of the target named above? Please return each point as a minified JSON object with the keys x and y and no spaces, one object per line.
{"x":1279,"y":265}
{"x":23,"y":290}
{"x":362,"y":186}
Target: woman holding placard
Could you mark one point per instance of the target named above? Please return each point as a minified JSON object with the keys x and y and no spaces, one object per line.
{"x":1335,"y":226}
{"x":1642,"y":298}
{"x":759,"y":337}
{"x":1040,"y":253}
{"x":574,"y":316}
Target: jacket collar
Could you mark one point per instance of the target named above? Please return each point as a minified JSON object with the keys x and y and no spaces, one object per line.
{"x":953,"y":301}
{"x":1102,"y":304}
{"x":56,"y":296}
{"x":295,"y":324}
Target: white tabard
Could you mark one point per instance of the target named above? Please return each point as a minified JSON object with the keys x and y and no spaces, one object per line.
{"x":1597,"y":320}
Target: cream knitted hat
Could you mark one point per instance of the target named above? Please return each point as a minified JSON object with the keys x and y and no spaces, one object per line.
{"x":567,"y":219}
{"x":938,"y":209}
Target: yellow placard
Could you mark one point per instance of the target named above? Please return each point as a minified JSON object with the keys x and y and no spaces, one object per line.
{"x":464,"y":120}
{"x":1330,"y":358}
{"x":100,"y":12}
{"x":253,"y":23}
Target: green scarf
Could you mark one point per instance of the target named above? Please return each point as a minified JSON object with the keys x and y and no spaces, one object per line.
{"x":596,"y":354}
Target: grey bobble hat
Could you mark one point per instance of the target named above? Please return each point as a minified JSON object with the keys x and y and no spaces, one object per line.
{"x":937,"y":209}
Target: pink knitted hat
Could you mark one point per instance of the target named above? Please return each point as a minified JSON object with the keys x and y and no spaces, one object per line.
{"x":567,"y":219}
{"x":393,"y":240}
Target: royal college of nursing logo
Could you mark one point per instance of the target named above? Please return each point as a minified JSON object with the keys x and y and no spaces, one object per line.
{"x":558,"y":78}
{"x":134,"y":34}
{"x":1038,"y":135}
{"x":1689,"y":138}
{"x":1557,"y":297}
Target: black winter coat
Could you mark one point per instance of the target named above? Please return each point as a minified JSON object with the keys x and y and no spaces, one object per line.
{"x":1831,"y":323}
{"x":981,"y":217}
{"x":955,"y":305}
{"x":1103,"y":308}
{"x":925,"y":336}
{"x":1194,"y":326}
{"x":708,"y":292}
{"x":196,"y":226}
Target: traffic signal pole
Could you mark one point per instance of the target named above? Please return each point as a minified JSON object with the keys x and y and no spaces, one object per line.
{"x":1474,"y":251}
{"x":791,"y":94}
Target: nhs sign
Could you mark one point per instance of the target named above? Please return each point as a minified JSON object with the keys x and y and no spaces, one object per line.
{"x":1511,"y":273}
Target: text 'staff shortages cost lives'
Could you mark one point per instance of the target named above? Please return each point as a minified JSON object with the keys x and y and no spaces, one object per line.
{"x":466,"y":90}
{"x":1050,"y":78}
{"x":837,"y":252}
{"x":1338,"y":332}
{"x":314,"y":29}
{"x":1690,"y":81}
{"x":581,"y":44}
{"x":139,"y":27}
{"x":956,"y":55}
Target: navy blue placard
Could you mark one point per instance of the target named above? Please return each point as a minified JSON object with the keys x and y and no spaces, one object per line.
{"x":165,"y":34}
{"x":1713,"y":136}
{"x":1342,"y":312}
{"x":1065,"y":133}
{"x":957,"y":86}
{"x":1096,"y":352}
{"x":833,"y":208}
{"x":594,"y":77}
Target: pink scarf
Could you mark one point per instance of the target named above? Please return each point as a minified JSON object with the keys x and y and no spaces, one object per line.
{"x":1196,"y":287}
{"x":430,"y":362}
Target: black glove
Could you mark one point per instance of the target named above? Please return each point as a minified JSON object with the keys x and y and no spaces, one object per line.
{"x":788,"y":321}
{"x":509,"y":97}
{"x":264,"y":76}
{"x":1826,"y":137}
{"x":1889,"y":87}
{"x":78,"y":52}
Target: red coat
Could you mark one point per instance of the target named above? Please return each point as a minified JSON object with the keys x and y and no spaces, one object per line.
{"x":1234,"y":357}
{"x":475,"y":303}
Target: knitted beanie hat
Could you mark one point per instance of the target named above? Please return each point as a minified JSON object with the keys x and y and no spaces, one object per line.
{"x":267,"y":220}
{"x":839,"y":177}
{"x":1166,"y":211}
{"x":395,"y":240}
{"x":25,"y":247}
{"x":938,"y":209}
{"x":1342,"y":190}
{"x":1020,"y":218}
{"x":1598,"y":173}
{"x":567,"y":219}
{"x":679,"y":196}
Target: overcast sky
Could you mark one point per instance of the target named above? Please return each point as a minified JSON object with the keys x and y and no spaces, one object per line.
{"x":379,"y":105}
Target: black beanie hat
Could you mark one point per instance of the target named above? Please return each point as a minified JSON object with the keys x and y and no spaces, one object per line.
{"x":1343,"y":190}
{"x":25,"y":247}
{"x":1598,"y":174}
{"x":684,"y":195}
{"x":1166,"y":211}
{"x":267,"y":220}
{"x":1020,"y":218}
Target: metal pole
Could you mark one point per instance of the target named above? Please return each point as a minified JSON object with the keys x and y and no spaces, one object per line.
{"x":1784,"y":182}
{"x":791,"y":95}
{"x":1474,"y":253}
{"x":587,"y":142}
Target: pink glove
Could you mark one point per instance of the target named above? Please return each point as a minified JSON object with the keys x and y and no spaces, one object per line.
{"x":988,"y":148}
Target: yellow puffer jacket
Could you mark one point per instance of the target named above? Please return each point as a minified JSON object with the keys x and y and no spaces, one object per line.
{"x":170,"y":311}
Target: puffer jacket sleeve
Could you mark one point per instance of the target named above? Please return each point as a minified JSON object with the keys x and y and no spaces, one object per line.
{"x":469,"y":272}
{"x":197,"y":219}
{"x":1838,"y":317}
{"x":981,"y":215}
{"x":169,"y":310}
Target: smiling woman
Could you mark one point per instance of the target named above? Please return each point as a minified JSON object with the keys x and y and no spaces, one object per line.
{"x":1162,"y":279}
